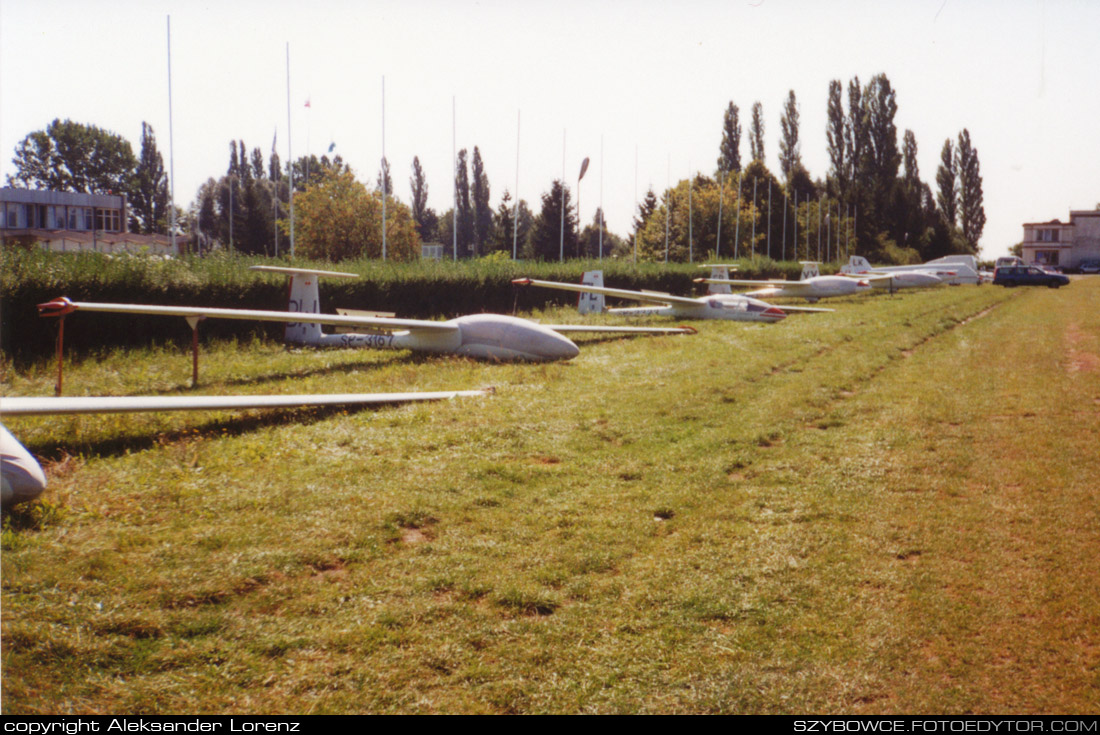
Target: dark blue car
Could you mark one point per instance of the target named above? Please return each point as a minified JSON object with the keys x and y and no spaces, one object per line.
{"x":1028,"y":275}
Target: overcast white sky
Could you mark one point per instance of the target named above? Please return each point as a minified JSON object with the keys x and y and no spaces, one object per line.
{"x":614,"y":77}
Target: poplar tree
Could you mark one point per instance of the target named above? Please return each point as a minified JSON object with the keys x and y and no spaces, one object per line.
{"x":789,"y":156}
{"x":946,"y":181}
{"x":419,"y":184}
{"x":464,"y":219}
{"x":482,"y":210}
{"x":729,"y":153}
{"x":836,"y":134}
{"x":756,"y":136}
{"x":971,"y":209}
{"x":149,"y":194}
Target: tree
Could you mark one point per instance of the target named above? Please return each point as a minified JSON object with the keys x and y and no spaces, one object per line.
{"x":427,"y":221}
{"x":645,"y":211}
{"x":756,"y":135}
{"x":503,"y":230}
{"x":909,"y":158}
{"x":971,"y":209}
{"x":729,"y":152}
{"x":788,"y":144}
{"x":149,"y":191}
{"x":337,"y":218}
{"x":857,"y":135}
{"x":69,"y":156}
{"x":257,"y":163}
{"x":881,"y":131}
{"x":482,"y":209}
{"x":946,"y":180}
{"x":310,"y":170}
{"x":384,"y":182}
{"x":590,"y":238}
{"x":546,"y":234}
{"x":836,"y":134}
{"x":465,"y":218}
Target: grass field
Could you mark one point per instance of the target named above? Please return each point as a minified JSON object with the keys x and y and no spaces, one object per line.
{"x":890,"y":508}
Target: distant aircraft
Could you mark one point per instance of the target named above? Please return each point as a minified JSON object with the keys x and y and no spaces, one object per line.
{"x":812,"y":286}
{"x":481,"y":336}
{"x":22,"y":478}
{"x":932,"y":273}
{"x":717,"y":306}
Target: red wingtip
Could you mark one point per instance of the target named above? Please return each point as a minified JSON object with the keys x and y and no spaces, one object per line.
{"x":57,"y":307}
{"x":522,"y":281}
{"x":689,"y":330}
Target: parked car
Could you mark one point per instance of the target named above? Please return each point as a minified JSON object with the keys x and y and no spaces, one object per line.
{"x":1028,"y":275}
{"x":1089,"y":266}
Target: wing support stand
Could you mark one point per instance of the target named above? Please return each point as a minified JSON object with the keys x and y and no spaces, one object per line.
{"x":60,"y":354}
{"x":193,"y":322}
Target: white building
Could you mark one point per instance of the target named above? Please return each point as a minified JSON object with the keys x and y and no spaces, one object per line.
{"x":68,"y":222}
{"x":1063,"y":244}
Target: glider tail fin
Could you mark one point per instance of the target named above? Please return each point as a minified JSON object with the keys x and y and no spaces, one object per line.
{"x":588,"y":303}
{"x":720,"y":272}
{"x":856,"y":264}
{"x":305,"y":297}
{"x":809,"y":270}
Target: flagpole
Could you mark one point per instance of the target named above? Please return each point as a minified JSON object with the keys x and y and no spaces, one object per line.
{"x":601,"y":197}
{"x":289,"y":151}
{"x":171,"y":148}
{"x":515,"y":207}
{"x":561,"y":239}
{"x":384,"y":171}
{"x":454,"y":180}
{"x":668,"y":200}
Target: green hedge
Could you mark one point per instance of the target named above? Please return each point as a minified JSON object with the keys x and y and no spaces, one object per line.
{"x":424,"y":289}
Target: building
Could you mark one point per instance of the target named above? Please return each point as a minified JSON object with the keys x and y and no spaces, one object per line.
{"x":1065,"y":245}
{"x":68,"y":222}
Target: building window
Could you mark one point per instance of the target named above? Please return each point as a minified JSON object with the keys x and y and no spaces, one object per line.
{"x":1046,"y":257}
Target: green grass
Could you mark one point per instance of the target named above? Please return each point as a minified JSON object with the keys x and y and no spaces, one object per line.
{"x":890,"y":508}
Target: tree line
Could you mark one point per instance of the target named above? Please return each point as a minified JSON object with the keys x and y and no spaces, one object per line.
{"x":871,"y":200}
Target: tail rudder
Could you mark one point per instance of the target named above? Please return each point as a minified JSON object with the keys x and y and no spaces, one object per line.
{"x":304,"y":296}
{"x":722,"y":273}
{"x":588,"y":303}
{"x":810,"y":270}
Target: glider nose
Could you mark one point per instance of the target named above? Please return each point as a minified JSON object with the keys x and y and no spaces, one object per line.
{"x":562,"y":348}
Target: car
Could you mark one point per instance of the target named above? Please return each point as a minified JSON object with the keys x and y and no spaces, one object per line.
{"x":1089,"y":266}
{"x":1027,"y":275}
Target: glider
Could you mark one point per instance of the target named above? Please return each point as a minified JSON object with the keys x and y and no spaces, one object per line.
{"x":812,"y":286}
{"x":481,"y":336}
{"x":894,"y":277}
{"x":715,"y":306}
{"x":22,"y":478}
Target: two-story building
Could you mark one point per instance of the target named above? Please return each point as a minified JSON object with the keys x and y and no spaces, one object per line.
{"x":1064,"y":244}
{"x":69,"y":222}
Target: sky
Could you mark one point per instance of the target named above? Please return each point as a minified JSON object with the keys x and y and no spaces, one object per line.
{"x":638,"y":87}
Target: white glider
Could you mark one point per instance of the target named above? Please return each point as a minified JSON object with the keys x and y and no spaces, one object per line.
{"x":716,"y":306}
{"x":22,"y":478}
{"x":812,"y":286}
{"x":909,"y":276}
{"x":482,"y":336}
